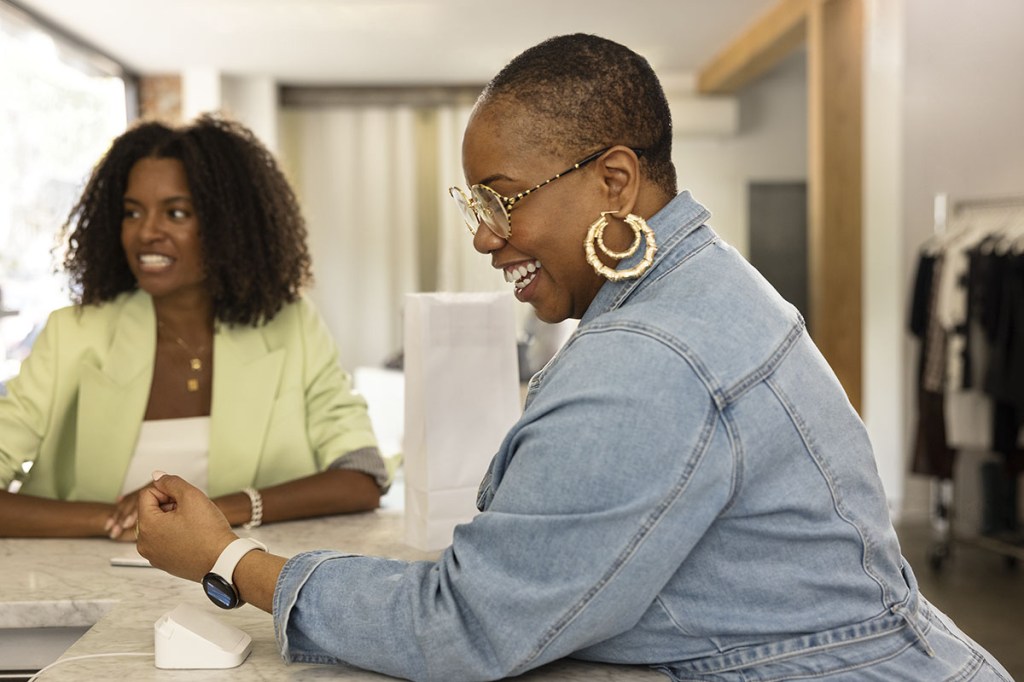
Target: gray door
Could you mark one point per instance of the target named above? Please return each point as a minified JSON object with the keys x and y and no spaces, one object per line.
{"x":778,"y":237}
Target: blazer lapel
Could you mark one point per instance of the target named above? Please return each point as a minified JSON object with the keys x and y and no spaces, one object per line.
{"x":113,"y":394}
{"x":246,"y":377}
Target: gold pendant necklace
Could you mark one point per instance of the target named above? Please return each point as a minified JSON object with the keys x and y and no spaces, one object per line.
{"x":195,"y":363}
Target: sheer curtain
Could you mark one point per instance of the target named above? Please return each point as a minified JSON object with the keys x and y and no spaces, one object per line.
{"x":461,"y":267}
{"x":372,"y":174}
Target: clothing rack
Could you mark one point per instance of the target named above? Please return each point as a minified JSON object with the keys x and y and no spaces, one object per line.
{"x":943,"y":509}
{"x":943,"y":203}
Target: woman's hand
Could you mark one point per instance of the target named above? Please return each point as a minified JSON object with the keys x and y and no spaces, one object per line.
{"x":121,"y":524}
{"x":180,"y":530}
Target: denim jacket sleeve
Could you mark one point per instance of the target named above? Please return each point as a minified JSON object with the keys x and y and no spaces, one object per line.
{"x":619,"y":464}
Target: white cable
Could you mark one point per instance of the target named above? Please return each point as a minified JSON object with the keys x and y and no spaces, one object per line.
{"x":75,"y":658}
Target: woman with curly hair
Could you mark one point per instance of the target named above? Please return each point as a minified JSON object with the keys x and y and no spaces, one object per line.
{"x":189,"y":348}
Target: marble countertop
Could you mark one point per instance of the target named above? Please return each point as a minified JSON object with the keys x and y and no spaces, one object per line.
{"x":49,"y":583}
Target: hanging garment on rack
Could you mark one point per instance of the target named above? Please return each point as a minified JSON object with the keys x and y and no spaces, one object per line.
{"x":968,"y":410}
{"x":1005,"y":379}
{"x":983,"y":299}
{"x":977,"y":300}
{"x":932,"y":456}
{"x":968,"y":312}
{"x":951,"y":303}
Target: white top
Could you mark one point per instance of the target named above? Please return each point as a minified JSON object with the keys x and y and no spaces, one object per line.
{"x":177,"y":446}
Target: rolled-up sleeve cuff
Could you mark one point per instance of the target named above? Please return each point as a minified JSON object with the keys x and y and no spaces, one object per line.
{"x":293,"y":577}
{"x":369,"y":461}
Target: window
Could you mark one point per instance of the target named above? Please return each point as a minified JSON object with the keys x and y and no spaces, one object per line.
{"x":61,"y":104}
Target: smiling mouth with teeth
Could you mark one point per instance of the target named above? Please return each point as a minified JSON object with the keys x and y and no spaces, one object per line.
{"x":154,"y":259}
{"x":521,"y":275}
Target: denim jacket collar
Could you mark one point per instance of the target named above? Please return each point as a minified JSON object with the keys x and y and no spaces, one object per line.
{"x":671,"y":225}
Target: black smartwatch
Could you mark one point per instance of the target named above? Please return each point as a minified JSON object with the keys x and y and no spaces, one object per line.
{"x":217,"y":583}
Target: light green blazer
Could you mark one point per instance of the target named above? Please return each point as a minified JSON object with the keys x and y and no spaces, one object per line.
{"x":282,"y":405}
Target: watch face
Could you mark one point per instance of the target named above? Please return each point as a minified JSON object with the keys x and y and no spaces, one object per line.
{"x":220,"y":591}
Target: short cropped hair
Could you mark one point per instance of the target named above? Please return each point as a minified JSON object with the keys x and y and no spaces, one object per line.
{"x":589,"y":92}
{"x":251,"y":229}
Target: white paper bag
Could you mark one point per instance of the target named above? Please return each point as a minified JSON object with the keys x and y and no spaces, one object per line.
{"x":461,"y":398}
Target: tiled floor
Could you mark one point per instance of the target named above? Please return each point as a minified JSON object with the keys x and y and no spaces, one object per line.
{"x":978,"y":589}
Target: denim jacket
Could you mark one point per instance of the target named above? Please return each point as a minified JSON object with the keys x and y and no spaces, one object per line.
{"x":688,"y":488}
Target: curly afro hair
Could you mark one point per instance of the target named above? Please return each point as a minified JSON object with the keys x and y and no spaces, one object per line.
{"x":252,"y":231}
{"x":585,"y":92}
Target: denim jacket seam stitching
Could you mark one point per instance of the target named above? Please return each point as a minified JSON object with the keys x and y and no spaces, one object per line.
{"x":837,"y":499}
{"x":845,"y":668}
{"x":738,"y":460}
{"x":672,"y":343}
{"x":722,"y":396}
{"x":318,"y":659}
{"x":671,"y":617}
{"x":971,"y":668}
{"x":638,"y":538}
{"x":768,"y":367}
{"x":815,"y":649}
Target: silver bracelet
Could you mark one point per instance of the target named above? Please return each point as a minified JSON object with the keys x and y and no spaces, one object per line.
{"x":256,"y":518}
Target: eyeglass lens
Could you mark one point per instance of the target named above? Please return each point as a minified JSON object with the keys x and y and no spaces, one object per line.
{"x":467,"y":212}
{"x":492,"y":211}
{"x":484,"y":207}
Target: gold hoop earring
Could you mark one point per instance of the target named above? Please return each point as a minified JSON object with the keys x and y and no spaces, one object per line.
{"x":595,"y":240}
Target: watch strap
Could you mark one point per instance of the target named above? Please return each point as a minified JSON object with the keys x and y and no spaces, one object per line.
{"x":232,"y":554}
